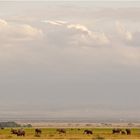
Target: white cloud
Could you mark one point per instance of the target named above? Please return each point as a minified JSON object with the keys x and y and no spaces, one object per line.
{"x":79,"y":27}
{"x":123,"y":32}
{"x":77,"y":34}
{"x":12,"y":32}
{"x":55,"y":22}
{"x":128,"y":37}
{"x":30,"y":31}
{"x":3,"y":23}
{"x":91,"y":37}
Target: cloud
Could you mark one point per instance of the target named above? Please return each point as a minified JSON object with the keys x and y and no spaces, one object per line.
{"x":91,"y":37}
{"x":136,"y":39}
{"x":128,"y":37}
{"x":3,"y":23}
{"x":30,"y":31}
{"x":79,"y":27}
{"x":56,"y":22}
{"x":123,"y":32}
{"x":76,"y":34}
{"x":13,"y":32}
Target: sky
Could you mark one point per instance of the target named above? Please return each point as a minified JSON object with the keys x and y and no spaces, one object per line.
{"x":78,"y":0}
{"x":70,"y":60}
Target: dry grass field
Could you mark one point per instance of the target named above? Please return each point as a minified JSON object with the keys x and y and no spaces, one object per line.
{"x":71,"y":133}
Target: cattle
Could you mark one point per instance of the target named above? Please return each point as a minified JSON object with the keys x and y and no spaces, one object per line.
{"x":88,"y":132}
{"x":13,"y":131}
{"x":19,"y":132}
{"x":128,"y":131}
{"x":61,"y":131}
{"x":123,"y":132}
{"x":116,"y":131}
{"x":38,"y":131}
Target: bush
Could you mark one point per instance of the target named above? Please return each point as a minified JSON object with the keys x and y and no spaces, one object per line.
{"x":9,"y":124}
{"x":27,"y":125}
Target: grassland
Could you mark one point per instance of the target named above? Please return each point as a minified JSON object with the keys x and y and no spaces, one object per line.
{"x":51,"y":133}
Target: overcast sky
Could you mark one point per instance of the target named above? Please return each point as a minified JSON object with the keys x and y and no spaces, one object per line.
{"x":77,"y":0}
{"x":70,"y":59}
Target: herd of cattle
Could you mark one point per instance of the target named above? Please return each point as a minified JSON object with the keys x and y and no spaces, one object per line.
{"x":120,"y":131}
{"x":21,"y":132}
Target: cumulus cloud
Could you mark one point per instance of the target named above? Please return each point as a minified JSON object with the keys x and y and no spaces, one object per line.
{"x":13,"y":32}
{"x":128,"y":37}
{"x":77,"y":34}
{"x":30,"y":31}
{"x":93,"y":37}
{"x":2,"y":23}
{"x":79,"y":27}
{"x":123,"y":32}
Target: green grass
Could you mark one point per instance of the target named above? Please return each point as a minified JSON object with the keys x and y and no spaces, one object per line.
{"x":51,"y":133}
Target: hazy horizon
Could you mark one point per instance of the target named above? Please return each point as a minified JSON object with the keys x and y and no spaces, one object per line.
{"x":70,"y":59}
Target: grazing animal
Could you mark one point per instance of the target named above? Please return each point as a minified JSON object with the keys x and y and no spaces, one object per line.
{"x":123,"y":132}
{"x":116,"y":131}
{"x":13,"y":131}
{"x":19,"y":132}
{"x":88,"y":132}
{"x":38,"y":131}
{"x":128,"y":131}
{"x":61,"y":131}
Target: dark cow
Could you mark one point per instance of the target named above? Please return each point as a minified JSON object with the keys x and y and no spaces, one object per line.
{"x":88,"y":132}
{"x":128,"y":131}
{"x":38,"y":131}
{"x":14,"y":131}
{"x":19,"y":132}
{"x":61,"y":131}
{"x":123,"y":132}
{"x":116,"y":131}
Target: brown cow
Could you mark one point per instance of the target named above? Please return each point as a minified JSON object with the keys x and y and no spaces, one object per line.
{"x":88,"y":132}
{"x":128,"y":131}
{"x":61,"y":131}
{"x":19,"y":132}
{"x":38,"y":131}
{"x":116,"y":131}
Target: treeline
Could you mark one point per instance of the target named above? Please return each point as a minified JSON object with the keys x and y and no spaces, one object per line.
{"x":13,"y":124}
